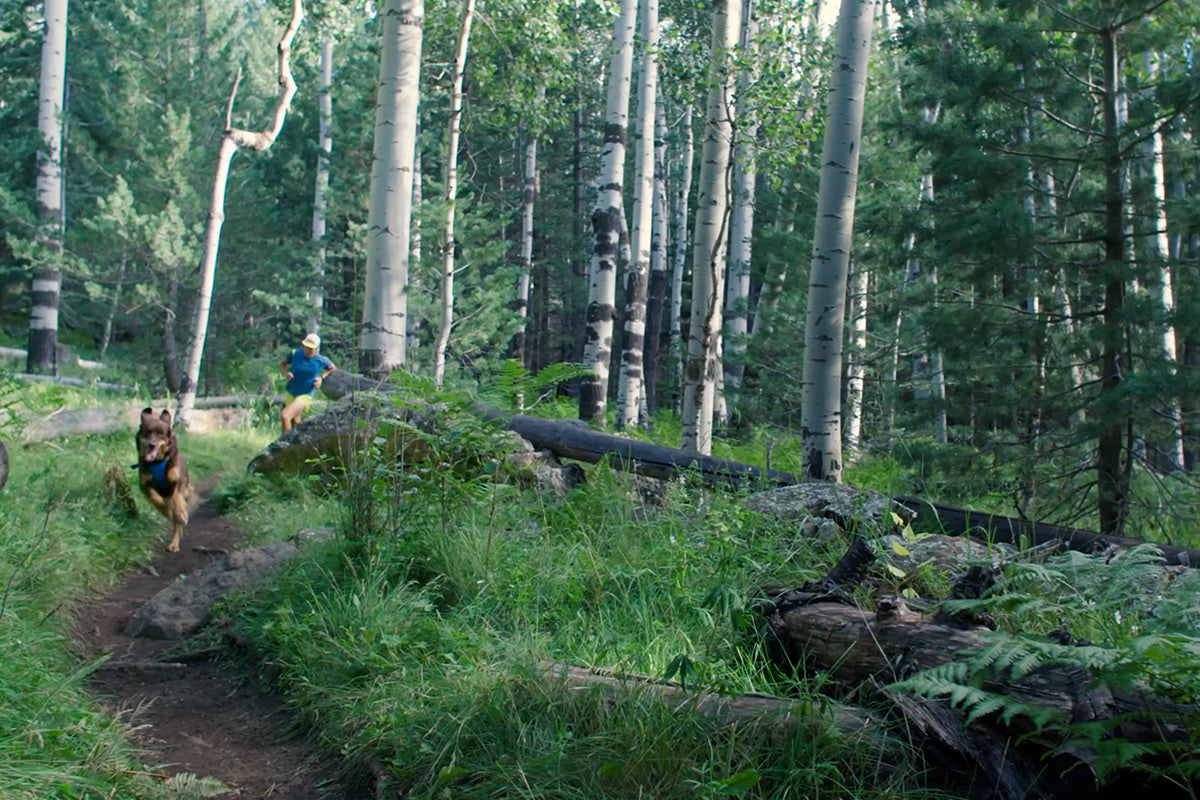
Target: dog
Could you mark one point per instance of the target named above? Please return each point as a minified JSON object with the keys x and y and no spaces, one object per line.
{"x":162,"y":472}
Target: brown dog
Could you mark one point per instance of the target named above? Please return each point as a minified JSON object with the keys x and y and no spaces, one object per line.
{"x":162,"y":472}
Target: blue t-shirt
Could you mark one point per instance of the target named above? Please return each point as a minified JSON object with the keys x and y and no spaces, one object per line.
{"x":305,"y":370}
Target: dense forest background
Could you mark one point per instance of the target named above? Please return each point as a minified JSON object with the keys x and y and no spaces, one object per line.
{"x":1022,"y":299}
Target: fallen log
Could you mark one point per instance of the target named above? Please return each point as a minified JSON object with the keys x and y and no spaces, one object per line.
{"x":102,"y":421}
{"x":69,"y":381}
{"x":741,"y":709}
{"x":575,"y":440}
{"x":815,"y":628}
{"x":1023,"y":533}
{"x":64,"y":355}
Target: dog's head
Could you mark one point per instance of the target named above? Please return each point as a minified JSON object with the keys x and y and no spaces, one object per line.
{"x":155,"y":438}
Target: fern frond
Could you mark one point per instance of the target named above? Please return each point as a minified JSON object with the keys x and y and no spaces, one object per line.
{"x":987,"y":705}
{"x":186,"y":786}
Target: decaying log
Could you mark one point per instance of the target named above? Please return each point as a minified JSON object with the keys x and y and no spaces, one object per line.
{"x":816,"y":629}
{"x":759,"y":709}
{"x":893,"y":641}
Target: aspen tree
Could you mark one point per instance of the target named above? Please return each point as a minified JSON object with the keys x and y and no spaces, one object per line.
{"x":821,"y":412}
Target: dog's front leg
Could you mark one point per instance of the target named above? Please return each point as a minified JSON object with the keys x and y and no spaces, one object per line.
{"x":179,"y":517}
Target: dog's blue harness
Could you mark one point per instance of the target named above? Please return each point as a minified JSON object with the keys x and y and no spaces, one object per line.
{"x":158,"y":475}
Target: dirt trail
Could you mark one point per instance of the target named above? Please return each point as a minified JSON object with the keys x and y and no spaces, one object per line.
{"x":209,"y":717}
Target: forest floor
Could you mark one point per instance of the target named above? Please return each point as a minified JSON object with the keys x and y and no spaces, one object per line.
{"x":210,"y":716}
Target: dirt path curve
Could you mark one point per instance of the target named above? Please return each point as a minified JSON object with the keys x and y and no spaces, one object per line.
{"x":207,"y":717}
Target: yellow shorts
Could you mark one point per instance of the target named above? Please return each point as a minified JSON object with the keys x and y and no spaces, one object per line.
{"x":305,"y":400}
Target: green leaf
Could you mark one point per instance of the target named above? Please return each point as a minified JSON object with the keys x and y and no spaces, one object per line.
{"x":736,"y":784}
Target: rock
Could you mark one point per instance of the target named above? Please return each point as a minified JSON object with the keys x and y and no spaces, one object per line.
{"x":185,"y":606}
{"x":324,"y":439}
{"x":952,"y":553}
{"x":332,"y":440}
{"x":541,"y":471}
{"x":852,"y":508}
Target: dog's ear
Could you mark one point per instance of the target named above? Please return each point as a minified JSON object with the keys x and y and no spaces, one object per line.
{"x":147,"y":413}
{"x":165,"y":416}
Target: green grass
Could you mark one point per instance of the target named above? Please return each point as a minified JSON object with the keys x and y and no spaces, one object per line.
{"x":414,"y":645}
{"x":409,"y":640}
{"x":61,"y":540}
{"x":64,"y":538}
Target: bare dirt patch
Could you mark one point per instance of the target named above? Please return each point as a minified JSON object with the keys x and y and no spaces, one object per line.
{"x":207,"y":714}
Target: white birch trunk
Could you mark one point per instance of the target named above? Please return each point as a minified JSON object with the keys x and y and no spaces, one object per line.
{"x":414,"y":325}
{"x":657,"y":296}
{"x":676,"y":347}
{"x":606,"y":222}
{"x":776,"y":277}
{"x":1159,"y":251}
{"x":741,"y":228}
{"x":42,"y":352}
{"x":630,"y":386}
{"x":525,"y":281}
{"x":389,"y":218}
{"x":232,"y":140}
{"x":821,"y":412}
{"x":452,"y":136}
{"x":856,"y":364}
{"x":316,"y":295}
{"x":1063,"y":305}
{"x":711,"y":241}
{"x":928,"y":377}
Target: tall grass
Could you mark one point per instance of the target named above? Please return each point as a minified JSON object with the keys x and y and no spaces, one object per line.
{"x":63,"y":538}
{"x":412,"y":648}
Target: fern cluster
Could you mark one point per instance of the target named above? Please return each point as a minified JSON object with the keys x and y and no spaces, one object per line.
{"x":1126,"y":623}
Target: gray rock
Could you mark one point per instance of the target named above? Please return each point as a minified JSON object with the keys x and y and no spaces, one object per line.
{"x":951,"y":553}
{"x":541,"y":471}
{"x":864,"y":510}
{"x":185,"y":606}
{"x":328,"y":439}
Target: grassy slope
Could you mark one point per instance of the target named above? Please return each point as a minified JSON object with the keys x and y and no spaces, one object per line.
{"x":408,"y":640}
